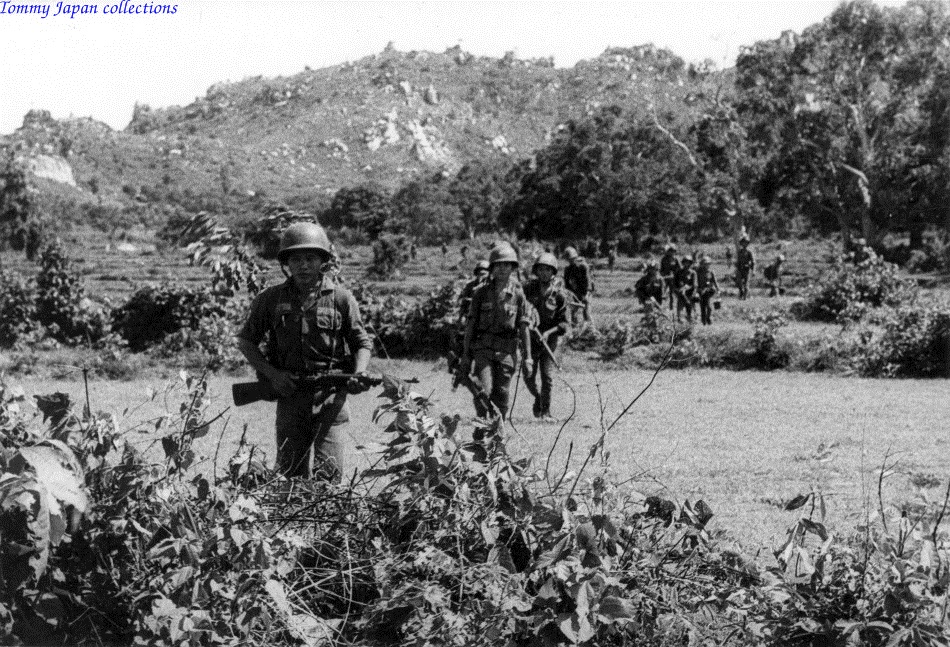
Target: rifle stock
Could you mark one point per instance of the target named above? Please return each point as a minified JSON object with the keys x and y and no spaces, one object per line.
{"x":249,"y":392}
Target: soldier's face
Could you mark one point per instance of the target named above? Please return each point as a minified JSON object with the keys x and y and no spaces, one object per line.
{"x":502,"y":271}
{"x":544,"y":273}
{"x":306,"y":267}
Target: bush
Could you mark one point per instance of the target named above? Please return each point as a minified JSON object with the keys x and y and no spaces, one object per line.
{"x":17,"y":308}
{"x":390,"y":255}
{"x":850,"y":290}
{"x":61,"y":305}
{"x":208,"y":345}
{"x":152,"y":312}
{"x":425,"y":327}
{"x":908,"y":341}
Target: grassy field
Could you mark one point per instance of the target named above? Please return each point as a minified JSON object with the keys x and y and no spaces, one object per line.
{"x":743,"y":441}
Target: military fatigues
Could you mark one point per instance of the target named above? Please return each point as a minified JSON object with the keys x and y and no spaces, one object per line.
{"x":307,"y":334}
{"x":496,"y":322}
{"x":578,"y":282}
{"x":668,"y":268}
{"x":550,"y":303}
{"x":773,"y":275}
{"x":684,"y":285}
{"x":649,"y":286}
{"x":745,"y":263}
{"x":708,"y":286}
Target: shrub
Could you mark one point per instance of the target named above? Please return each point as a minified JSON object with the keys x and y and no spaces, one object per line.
{"x":908,"y":341}
{"x":422,"y":327}
{"x":390,"y":255}
{"x":17,"y":308}
{"x":208,"y":345}
{"x":850,"y":290}
{"x":61,"y":305}
{"x":152,"y":312}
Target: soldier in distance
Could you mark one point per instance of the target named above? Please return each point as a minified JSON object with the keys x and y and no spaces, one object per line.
{"x":497,"y":320}
{"x":745,"y":264}
{"x":684,"y":285}
{"x":669,"y":266}
{"x":547,"y":297}
{"x":708,"y":287}
{"x":577,"y":280}
{"x":304,"y":326}
{"x":773,"y":276}
{"x":649,"y":287}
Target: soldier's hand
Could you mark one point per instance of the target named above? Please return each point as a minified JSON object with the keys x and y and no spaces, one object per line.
{"x":284,"y":382}
{"x":355,"y":385}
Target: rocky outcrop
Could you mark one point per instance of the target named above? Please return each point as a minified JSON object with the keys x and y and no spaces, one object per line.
{"x":51,"y":167}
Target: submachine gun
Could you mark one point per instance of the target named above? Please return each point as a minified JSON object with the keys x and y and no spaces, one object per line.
{"x":247,"y":392}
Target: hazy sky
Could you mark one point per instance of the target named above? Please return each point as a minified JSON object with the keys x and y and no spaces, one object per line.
{"x":101,"y":65}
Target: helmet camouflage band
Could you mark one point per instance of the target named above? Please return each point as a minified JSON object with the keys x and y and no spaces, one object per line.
{"x":502,"y":253}
{"x":303,"y":235}
{"x":546,"y":259}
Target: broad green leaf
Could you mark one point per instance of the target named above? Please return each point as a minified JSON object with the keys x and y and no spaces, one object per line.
{"x":615,"y":608}
{"x":60,"y":472}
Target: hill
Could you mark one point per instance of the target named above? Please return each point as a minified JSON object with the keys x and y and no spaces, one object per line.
{"x":384,"y":119}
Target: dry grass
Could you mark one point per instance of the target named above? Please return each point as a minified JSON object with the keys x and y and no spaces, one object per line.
{"x":743,"y":441}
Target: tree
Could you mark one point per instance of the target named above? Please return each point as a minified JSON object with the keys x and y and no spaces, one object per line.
{"x":425,"y":210}
{"x":843,"y":117}
{"x":366,"y":208}
{"x":21,"y":226}
{"x":479,"y":189}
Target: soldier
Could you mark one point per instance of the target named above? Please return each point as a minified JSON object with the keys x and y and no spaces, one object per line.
{"x":465,"y":296}
{"x":862,"y":252}
{"x":684,"y":284}
{"x":649,"y":287}
{"x":668,"y":268}
{"x":464,"y":252}
{"x":611,"y":255}
{"x":413,"y":251}
{"x":578,"y":282}
{"x":708,"y":287}
{"x":550,"y":303}
{"x":309,"y":325}
{"x":773,"y":275}
{"x":745,"y":264}
{"x":497,"y":317}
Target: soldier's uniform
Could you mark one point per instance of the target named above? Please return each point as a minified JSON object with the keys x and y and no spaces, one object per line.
{"x":308,"y":334}
{"x":465,"y":296}
{"x":745,"y":264}
{"x":577,"y":280}
{"x":684,"y":285}
{"x":773,"y":275}
{"x":649,"y":286}
{"x":496,"y":319}
{"x":707,"y":287}
{"x":669,"y":266}
{"x":550,"y":304}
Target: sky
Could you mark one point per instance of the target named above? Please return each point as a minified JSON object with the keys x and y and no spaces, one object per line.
{"x":100,"y":65}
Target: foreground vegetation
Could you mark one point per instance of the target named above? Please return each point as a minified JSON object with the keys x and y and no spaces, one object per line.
{"x":441,"y":539}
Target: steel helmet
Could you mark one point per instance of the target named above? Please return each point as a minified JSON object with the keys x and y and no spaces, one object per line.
{"x":687,"y":260}
{"x":704,"y":260}
{"x":744,"y":239}
{"x":481,"y":266}
{"x":502,"y":252}
{"x":546,"y":258}
{"x":303,"y":235}
{"x":570,"y":253}
{"x":670,"y":247}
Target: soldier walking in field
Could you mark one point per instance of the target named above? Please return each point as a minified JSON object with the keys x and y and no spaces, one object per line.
{"x":479,"y":275}
{"x":773,"y":276}
{"x":577,"y":280}
{"x":669,"y":266}
{"x":745,"y":264}
{"x":545,"y":294}
{"x":498,"y":319}
{"x":684,"y":284}
{"x":649,"y":287}
{"x":708,"y":287}
{"x":309,"y":326}
{"x":611,"y":255}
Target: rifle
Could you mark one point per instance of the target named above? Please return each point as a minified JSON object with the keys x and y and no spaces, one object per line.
{"x":248,"y":392}
{"x":461,"y":378}
{"x":544,"y":345}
